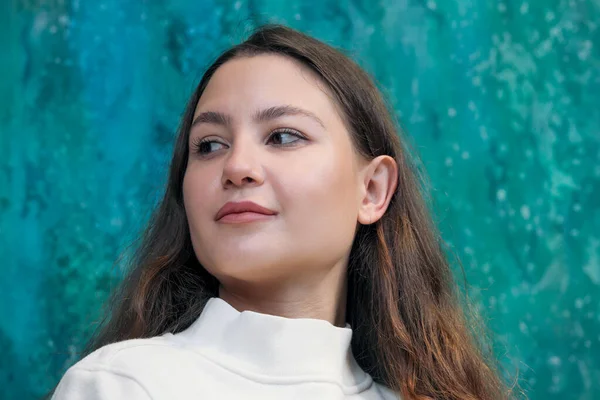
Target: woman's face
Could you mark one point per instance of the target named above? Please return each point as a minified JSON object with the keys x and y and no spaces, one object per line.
{"x":267,"y":131}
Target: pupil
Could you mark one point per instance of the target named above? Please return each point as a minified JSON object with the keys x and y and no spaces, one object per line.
{"x":205,"y":147}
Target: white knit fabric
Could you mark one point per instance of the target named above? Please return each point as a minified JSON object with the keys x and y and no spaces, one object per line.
{"x":227,"y":354}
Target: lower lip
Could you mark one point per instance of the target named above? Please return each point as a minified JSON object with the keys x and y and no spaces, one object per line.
{"x":239,"y":218}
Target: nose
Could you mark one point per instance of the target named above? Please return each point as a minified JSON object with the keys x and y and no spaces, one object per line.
{"x":242,"y":167}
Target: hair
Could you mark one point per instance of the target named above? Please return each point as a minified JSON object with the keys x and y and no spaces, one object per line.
{"x":410,"y":332}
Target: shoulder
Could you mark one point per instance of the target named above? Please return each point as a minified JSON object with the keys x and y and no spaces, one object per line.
{"x":385,"y":393}
{"x":142,"y":357}
{"x":113,"y":371}
{"x":121,"y":353}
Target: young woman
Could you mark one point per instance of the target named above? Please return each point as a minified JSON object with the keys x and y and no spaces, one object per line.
{"x":292,"y":255}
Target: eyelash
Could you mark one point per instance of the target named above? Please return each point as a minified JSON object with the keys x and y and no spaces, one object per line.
{"x":199,"y":142}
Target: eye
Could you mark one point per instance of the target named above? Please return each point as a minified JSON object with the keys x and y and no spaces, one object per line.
{"x":281,"y":138}
{"x":205,"y":146}
{"x":278,"y":137}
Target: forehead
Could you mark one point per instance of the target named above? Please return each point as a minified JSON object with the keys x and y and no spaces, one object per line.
{"x":248,"y":83}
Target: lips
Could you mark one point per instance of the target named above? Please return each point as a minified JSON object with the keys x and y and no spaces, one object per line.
{"x":241,"y":207}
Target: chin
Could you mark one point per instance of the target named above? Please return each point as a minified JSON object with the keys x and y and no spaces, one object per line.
{"x":248,"y":267}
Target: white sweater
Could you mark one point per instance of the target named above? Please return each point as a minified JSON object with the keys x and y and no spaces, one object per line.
{"x":227,"y":354}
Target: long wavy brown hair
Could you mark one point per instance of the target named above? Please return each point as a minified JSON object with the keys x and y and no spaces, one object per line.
{"x":411,"y":329}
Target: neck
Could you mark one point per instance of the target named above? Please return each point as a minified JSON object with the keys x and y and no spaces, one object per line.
{"x":323,"y":298}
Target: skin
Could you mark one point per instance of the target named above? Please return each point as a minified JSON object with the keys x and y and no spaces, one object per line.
{"x":294,"y":263}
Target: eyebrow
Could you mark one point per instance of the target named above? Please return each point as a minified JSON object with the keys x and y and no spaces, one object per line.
{"x":268,"y":114}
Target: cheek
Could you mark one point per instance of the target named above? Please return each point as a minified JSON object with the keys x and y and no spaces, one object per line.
{"x":320,"y":212}
{"x":196,"y":195}
{"x":191,"y":191}
{"x":324,"y":189}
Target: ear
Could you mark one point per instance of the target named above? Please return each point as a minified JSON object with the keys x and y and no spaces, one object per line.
{"x":380,"y":181}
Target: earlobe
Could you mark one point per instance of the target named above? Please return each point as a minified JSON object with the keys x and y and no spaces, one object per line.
{"x":381,"y":181}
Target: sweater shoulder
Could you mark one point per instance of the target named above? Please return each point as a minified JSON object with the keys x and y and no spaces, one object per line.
{"x":385,"y":393}
{"x":127,"y":351}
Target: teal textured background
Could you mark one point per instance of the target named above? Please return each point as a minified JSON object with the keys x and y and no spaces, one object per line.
{"x":501,"y":98}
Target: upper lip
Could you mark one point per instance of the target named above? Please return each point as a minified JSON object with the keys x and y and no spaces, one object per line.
{"x":242,"y":206}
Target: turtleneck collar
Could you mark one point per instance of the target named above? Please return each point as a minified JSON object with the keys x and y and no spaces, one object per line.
{"x":274,"y":348}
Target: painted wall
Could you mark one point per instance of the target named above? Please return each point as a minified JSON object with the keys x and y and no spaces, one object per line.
{"x":501,"y":98}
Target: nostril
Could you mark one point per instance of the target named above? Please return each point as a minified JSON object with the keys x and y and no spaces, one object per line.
{"x":234,"y":182}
